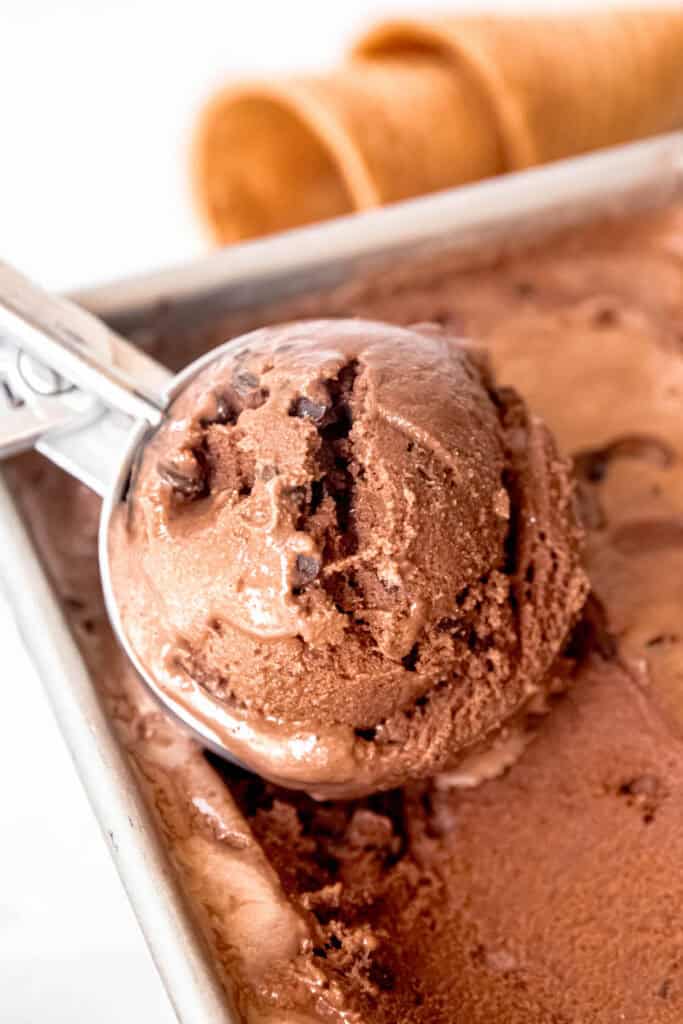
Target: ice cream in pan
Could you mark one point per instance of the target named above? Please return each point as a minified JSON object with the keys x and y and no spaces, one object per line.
{"x":405,"y":547}
{"x":401,"y":537}
{"x":549,"y":893}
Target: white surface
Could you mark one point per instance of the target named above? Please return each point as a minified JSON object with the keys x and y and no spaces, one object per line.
{"x":96,"y":106}
{"x":70,"y":949}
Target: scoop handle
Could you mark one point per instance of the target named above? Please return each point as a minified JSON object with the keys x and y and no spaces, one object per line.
{"x":72,"y":387}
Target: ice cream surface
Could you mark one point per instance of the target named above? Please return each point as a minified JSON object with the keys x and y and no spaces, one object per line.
{"x":552,"y":893}
{"x":346,"y":538}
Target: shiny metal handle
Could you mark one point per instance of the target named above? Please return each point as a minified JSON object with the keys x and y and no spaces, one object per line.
{"x":75,"y":344}
{"x":71,"y":387}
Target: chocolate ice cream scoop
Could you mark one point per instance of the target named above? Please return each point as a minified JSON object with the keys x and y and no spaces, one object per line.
{"x":334,"y":548}
{"x":349,"y":555}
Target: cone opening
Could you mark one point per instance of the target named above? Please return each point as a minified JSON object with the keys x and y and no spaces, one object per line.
{"x":263,"y":166}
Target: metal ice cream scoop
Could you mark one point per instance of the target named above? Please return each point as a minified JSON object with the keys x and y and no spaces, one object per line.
{"x":86,"y":399}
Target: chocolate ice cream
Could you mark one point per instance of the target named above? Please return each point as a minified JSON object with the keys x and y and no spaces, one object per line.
{"x":549,"y":894}
{"x":352,"y":554}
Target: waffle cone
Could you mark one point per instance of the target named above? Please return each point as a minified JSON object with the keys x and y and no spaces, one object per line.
{"x":272,"y":155}
{"x":556,"y":86}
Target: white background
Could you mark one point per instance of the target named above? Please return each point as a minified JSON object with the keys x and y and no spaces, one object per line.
{"x":96,"y":107}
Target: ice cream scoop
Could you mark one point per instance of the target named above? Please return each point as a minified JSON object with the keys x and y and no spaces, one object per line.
{"x":349,"y":554}
{"x":342,"y":554}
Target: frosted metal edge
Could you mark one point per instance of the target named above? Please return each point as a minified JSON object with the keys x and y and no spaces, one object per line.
{"x":130,"y":834}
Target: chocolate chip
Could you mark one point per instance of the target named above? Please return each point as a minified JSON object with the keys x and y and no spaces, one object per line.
{"x":606,"y":317}
{"x":247,"y":390}
{"x":189,"y":481}
{"x":307,"y":409}
{"x":243,"y":382}
{"x":307,"y":568}
{"x":226,"y":413}
{"x":297,"y":495}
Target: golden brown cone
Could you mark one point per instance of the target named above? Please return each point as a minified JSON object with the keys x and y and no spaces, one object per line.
{"x":557,"y":85}
{"x":429,"y":103}
{"x":269,"y":156}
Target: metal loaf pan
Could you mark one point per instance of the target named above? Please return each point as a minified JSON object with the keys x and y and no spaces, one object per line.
{"x":246,"y":284}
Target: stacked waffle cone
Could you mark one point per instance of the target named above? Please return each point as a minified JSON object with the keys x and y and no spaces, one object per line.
{"x":428,"y":103}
